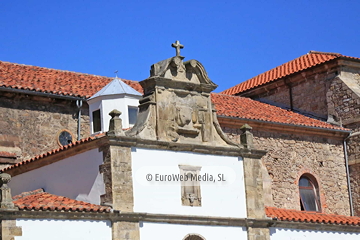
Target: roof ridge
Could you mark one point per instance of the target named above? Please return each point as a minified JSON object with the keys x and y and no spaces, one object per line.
{"x":48,"y":201}
{"x":25,"y":194}
{"x":293,"y":66}
{"x":228,"y":95}
{"x":326,"y":53}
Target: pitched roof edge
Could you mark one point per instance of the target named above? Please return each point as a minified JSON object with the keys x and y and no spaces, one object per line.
{"x":29,"y":91}
{"x":63,"y":94}
{"x":53,"y":152}
{"x":327,"y":53}
{"x":336,"y":56}
{"x":292,"y":215}
{"x":25,"y":194}
{"x":345,"y":131}
{"x":276,"y":122}
{"x":43,"y":201}
{"x":54,"y":69}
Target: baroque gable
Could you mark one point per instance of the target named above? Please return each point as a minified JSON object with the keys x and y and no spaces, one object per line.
{"x":176,"y":105}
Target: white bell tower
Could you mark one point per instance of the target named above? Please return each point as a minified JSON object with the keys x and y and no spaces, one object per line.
{"x":115,"y":95}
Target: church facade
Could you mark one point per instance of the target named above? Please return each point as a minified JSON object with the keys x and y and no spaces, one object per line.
{"x":194,"y":165}
{"x":320,"y":85}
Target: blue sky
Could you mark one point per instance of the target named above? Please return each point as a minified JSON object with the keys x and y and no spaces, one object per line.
{"x":235,"y":40}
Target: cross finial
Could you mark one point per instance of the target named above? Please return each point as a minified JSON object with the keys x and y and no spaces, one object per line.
{"x":116,"y":74}
{"x":178,"y":46}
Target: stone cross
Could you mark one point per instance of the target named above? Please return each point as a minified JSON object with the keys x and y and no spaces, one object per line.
{"x":178,"y":46}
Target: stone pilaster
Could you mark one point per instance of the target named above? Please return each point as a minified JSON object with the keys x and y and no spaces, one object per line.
{"x":8,"y":228}
{"x":125,"y":230}
{"x":258,"y":233}
{"x":254,"y":189}
{"x":117,"y":174}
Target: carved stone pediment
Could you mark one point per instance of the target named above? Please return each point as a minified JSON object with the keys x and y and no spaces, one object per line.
{"x":177,"y":106}
{"x":175,"y":69}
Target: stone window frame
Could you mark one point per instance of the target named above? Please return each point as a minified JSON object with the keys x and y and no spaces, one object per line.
{"x":314,"y":187}
{"x":193,"y":236}
{"x":192,"y":199}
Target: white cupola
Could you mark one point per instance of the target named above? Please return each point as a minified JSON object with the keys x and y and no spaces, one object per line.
{"x":115,"y":95}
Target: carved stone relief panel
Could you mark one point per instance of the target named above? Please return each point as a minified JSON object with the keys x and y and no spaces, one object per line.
{"x":190,"y":187}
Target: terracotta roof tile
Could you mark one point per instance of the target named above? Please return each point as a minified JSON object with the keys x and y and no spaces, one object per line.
{"x":306,"y":61}
{"x":54,"y":81}
{"x":226,"y":105}
{"x":314,"y":217}
{"x":40,"y":200}
{"x":37,"y":157}
{"x":241,"y":107}
{"x":7,"y":154}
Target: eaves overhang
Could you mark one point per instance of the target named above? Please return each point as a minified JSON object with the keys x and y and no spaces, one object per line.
{"x":237,"y":122}
{"x":42,"y":93}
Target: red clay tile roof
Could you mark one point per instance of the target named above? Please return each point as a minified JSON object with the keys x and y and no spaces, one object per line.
{"x":226,"y":105}
{"x":40,"y":200}
{"x":313,"y":217}
{"x":246,"y":108}
{"x":7,"y":154}
{"x":54,"y":81}
{"x":301,"y":63}
{"x":62,"y":148}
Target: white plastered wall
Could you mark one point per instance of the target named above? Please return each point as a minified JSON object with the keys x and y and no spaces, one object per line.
{"x":45,"y":229}
{"x":150,"y":231}
{"x":222,"y":199}
{"x":76,"y":177}
{"x":294,"y":234}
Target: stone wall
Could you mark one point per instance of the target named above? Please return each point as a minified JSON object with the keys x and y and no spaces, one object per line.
{"x":32,"y":123}
{"x":289,"y":156}
{"x":308,"y":92}
{"x":355,"y":187}
{"x":279,"y":96}
{"x":310,"y":95}
{"x":343,"y":101}
{"x":353,"y":148}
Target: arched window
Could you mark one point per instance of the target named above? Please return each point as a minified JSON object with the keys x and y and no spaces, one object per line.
{"x":309,"y":194}
{"x":194,"y":237}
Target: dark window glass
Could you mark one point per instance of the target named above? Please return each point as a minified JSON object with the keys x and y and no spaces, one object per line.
{"x":193,"y":237}
{"x":65,"y":138}
{"x":309,"y":195}
{"x":132,"y":111}
{"x":96,"y":121}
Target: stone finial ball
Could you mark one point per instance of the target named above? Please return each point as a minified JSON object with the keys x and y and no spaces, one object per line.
{"x":5,"y":178}
{"x":115,"y":113}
